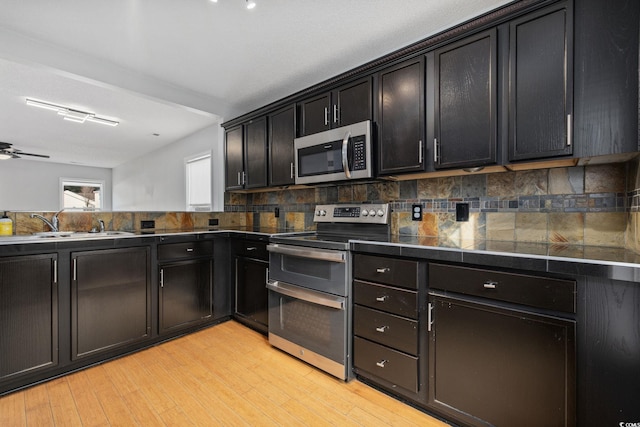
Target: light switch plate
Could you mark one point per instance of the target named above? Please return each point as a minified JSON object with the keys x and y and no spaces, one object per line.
{"x":462,"y":211}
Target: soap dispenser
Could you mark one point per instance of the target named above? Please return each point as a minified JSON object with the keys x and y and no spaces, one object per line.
{"x":6,"y":225}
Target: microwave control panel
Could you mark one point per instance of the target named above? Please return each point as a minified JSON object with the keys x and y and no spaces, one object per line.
{"x":359,"y":153}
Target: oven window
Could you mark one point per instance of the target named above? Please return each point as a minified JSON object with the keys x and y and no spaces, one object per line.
{"x":303,"y":318}
{"x":307,"y":267}
{"x":320,"y":159}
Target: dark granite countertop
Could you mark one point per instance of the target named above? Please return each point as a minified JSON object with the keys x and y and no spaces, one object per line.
{"x":597,"y":261}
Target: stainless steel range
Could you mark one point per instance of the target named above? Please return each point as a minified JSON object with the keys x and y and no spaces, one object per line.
{"x":310,"y":285}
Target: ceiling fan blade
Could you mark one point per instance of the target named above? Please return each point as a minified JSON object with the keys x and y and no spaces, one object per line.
{"x":22,"y":153}
{"x":4,"y":145}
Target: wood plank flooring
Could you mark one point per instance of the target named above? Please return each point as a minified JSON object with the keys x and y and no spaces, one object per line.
{"x":226,"y":375}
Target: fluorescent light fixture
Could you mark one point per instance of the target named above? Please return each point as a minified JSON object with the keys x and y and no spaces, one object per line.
{"x":70,"y":114}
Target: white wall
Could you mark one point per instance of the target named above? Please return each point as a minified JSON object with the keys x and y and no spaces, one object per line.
{"x":31,"y":185}
{"x":156,"y":181}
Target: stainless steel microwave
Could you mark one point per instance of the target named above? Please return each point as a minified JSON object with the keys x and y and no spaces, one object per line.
{"x":334,"y":155}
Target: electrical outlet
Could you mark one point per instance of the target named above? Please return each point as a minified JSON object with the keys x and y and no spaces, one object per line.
{"x":213,"y":222}
{"x":276,"y":212}
{"x":147,"y":224}
{"x":462,"y":211}
{"x":416,"y":212}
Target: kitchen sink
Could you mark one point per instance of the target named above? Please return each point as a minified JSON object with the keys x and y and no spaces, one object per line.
{"x":78,"y":234}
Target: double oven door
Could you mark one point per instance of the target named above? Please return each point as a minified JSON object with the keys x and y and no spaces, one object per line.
{"x":309,"y":315}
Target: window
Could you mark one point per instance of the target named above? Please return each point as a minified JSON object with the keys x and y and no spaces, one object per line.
{"x":81,"y":194}
{"x":198,"y":178}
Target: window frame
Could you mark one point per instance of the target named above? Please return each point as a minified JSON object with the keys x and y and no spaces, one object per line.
{"x":198,"y":207}
{"x":79,"y":182}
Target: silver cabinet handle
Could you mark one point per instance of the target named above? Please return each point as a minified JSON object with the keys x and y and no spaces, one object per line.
{"x":345,"y":160}
{"x":326,"y":116}
{"x":239,"y":178}
{"x":381,"y":363}
{"x":75,"y":269}
{"x":435,"y":150}
{"x":162,"y":277}
{"x":420,"y":152}
{"x":490,"y":284}
{"x":429,"y":317}
{"x":189,"y":249}
{"x":244,"y":178}
{"x":382,"y":328}
{"x":55,"y":271}
{"x":383,"y":270}
{"x":251,"y":248}
{"x":335,"y":113}
{"x":569,"y":133}
{"x":291,"y":170}
{"x":382,"y":298}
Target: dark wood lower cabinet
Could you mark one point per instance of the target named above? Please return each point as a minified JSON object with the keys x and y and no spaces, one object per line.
{"x":110,"y":299}
{"x":28,"y":314}
{"x":185,"y":295}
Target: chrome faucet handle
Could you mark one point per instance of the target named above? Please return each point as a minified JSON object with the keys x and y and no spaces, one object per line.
{"x":55,"y":221}
{"x":101,"y":225}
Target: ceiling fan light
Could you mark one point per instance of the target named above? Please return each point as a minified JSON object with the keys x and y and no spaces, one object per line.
{"x":5,"y":156}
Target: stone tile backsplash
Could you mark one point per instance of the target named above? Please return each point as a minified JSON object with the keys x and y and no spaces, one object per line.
{"x":589,"y":205}
{"x":592,"y":205}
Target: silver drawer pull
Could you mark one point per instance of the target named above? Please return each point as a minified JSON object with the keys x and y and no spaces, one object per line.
{"x":189,"y":249}
{"x":251,"y":248}
{"x":381,"y":363}
{"x":490,"y":284}
{"x":382,"y":328}
{"x":382,"y":298}
{"x":383,"y":270}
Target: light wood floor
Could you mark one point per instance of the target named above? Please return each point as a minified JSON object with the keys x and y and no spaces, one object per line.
{"x":223,"y":375}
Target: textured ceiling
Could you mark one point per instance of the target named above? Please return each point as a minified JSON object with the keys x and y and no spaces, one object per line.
{"x":176,"y":66}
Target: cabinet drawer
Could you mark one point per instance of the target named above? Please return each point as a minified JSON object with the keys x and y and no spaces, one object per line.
{"x":387,"y":329}
{"x":391,"y":365}
{"x":392,"y":300}
{"x":390,"y":271}
{"x":534,"y":291}
{"x":251,"y":249}
{"x":185,"y":250}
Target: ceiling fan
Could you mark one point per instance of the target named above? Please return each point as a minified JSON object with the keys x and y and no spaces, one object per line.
{"x":8,"y":152}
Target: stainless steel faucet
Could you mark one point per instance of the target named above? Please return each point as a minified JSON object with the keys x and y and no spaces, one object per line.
{"x":53,"y":224}
{"x":101,"y":225}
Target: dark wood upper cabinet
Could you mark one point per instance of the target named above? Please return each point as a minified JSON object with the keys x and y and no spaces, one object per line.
{"x":255,"y":160}
{"x":282,"y":132}
{"x":233,"y":148}
{"x":541,"y":84}
{"x":401,"y":118}
{"x":246,"y":155}
{"x":466,"y":102}
{"x":348,"y":104}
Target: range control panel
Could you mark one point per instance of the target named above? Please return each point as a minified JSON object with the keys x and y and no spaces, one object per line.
{"x":375,"y":213}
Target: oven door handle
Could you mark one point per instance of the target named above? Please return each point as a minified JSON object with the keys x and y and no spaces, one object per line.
{"x":308,"y":295}
{"x":302,"y":252}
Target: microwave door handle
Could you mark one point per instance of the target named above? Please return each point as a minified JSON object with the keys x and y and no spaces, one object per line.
{"x":345,"y":159}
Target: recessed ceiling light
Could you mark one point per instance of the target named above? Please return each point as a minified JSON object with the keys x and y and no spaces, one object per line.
{"x":250,"y":4}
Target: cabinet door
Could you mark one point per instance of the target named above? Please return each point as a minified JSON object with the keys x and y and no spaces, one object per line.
{"x":315,"y":114}
{"x":493,"y":366}
{"x":401,"y":118}
{"x":541,"y":85}
{"x":282,"y":131}
{"x":465,"y":100}
{"x":256,"y":153}
{"x":28,"y":314}
{"x":185,"y":293}
{"x":110,"y":299}
{"x":251,"y":292}
{"x":233,"y":153}
{"x":352,"y":103}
